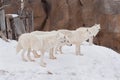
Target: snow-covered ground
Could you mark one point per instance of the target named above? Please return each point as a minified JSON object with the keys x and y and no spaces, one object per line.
{"x":97,"y":63}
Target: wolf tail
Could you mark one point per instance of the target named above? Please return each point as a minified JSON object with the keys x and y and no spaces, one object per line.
{"x":18,"y":47}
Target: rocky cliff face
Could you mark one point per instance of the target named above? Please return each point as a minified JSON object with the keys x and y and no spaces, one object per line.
{"x":71,"y":14}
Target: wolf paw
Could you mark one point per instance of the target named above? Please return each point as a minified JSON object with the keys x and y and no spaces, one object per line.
{"x":79,"y":54}
{"x":37,"y":56}
{"x":53,"y":57}
{"x":32,"y":60}
{"x":25,"y":60}
{"x":43,"y":64}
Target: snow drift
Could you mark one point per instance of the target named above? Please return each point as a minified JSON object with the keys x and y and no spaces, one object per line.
{"x":97,"y":63}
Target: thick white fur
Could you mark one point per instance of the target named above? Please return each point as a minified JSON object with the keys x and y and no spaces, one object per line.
{"x":93,"y":31}
{"x":67,"y":41}
{"x":80,"y":35}
{"x":43,"y":43}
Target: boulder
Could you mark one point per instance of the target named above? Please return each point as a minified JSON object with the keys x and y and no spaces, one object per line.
{"x":71,"y":14}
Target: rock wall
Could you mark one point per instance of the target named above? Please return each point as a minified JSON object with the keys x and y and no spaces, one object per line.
{"x":71,"y":14}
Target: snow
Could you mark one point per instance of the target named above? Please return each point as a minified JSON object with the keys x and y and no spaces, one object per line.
{"x":97,"y":63}
{"x":13,"y":15}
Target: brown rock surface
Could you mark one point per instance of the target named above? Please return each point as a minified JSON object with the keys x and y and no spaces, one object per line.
{"x":71,"y":14}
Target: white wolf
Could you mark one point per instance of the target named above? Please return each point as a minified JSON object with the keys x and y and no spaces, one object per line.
{"x":93,"y":32}
{"x":43,"y":43}
{"x":67,"y":42}
{"x":80,"y":35}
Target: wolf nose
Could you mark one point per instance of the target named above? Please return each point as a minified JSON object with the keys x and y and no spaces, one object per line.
{"x":70,"y":44}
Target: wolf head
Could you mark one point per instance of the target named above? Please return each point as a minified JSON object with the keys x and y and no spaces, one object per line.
{"x":95,"y":29}
{"x":63,"y":39}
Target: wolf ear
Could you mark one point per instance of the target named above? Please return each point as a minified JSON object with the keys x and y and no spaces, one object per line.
{"x":88,"y":30}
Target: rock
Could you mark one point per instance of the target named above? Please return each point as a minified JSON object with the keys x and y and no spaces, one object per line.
{"x":71,"y":14}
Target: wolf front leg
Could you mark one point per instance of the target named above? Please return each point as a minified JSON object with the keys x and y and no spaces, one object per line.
{"x":52,"y":52}
{"x":91,"y":40}
{"x":77,"y":47}
{"x":60,"y":49}
{"x":35,"y":54}
{"x":28,"y":55}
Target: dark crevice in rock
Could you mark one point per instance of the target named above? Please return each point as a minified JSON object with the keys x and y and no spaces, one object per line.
{"x":46,"y":8}
{"x":67,"y":2}
{"x":83,"y":25}
{"x":81,"y":3}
